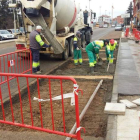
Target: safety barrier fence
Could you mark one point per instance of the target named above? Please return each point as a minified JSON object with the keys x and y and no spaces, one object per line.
{"x":136,"y":34}
{"x":15,"y":62}
{"x":127,"y":32}
{"x":30,"y":112}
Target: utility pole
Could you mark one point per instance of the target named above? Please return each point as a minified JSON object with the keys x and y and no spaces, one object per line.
{"x":100,"y":10}
{"x":89,"y":5}
{"x":112,"y":11}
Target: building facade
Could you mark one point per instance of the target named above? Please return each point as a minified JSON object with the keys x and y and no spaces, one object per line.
{"x":118,"y":20}
{"x":105,"y":19}
{"x":136,"y":12}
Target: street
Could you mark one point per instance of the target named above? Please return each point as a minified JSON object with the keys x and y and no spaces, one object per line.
{"x":100,"y":32}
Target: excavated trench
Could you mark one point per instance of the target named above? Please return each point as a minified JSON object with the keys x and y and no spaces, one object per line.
{"x":94,"y":121}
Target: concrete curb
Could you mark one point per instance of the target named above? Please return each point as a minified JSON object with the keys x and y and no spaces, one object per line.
{"x":7,"y":41}
{"x":112,"y":119}
{"x":32,"y":84}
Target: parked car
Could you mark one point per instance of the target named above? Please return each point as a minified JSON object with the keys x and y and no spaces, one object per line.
{"x":113,"y":25}
{"x":14,"y":32}
{"x":4,"y":34}
{"x":22,"y":29}
{"x":105,"y":26}
{"x":101,"y":26}
{"x":118,"y":27}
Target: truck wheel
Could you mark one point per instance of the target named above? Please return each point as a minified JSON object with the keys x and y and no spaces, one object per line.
{"x":71,"y":47}
{"x":65,"y":54}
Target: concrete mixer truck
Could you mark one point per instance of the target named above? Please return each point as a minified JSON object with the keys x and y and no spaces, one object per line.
{"x":60,"y":20}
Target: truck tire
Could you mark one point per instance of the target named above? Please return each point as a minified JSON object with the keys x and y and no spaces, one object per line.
{"x":65,"y":54}
{"x":71,"y":47}
{"x":83,"y":41}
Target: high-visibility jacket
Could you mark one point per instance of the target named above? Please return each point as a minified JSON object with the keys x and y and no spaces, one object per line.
{"x":93,"y":47}
{"x":35,"y":40}
{"x":112,"y":48}
{"x":99,"y":42}
{"x":77,"y":42}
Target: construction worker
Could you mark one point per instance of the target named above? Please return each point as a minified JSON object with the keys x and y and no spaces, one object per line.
{"x":110,"y":48}
{"x":77,"y":48}
{"x":35,"y":44}
{"x":92,"y":50}
{"x":101,"y":44}
{"x":107,"y":50}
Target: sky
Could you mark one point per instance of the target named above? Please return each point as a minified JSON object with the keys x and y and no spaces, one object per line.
{"x":120,"y":6}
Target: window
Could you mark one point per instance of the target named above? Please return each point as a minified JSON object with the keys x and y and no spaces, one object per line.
{"x":4,"y":32}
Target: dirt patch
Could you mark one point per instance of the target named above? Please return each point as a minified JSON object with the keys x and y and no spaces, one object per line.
{"x":102,"y":54}
{"x":94,"y":121}
{"x":84,"y":69}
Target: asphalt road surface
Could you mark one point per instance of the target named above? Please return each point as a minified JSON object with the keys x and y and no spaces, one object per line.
{"x":100,"y":32}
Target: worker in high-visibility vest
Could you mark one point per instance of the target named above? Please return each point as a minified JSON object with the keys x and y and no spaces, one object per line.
{"x":110,"y":48}
{"x":107,"y":49}
{"x":77,"y":48}
{"x":101,"y":44}
{"x":35,"y":44}
{"x":92,"y":50}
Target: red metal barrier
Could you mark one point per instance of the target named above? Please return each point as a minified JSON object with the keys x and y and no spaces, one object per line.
{"x":31,"y":112}
{"x":137,"y":35}
{"x":127,"y":32}
{"x":134,"y":30}
{"x":16,"y":62}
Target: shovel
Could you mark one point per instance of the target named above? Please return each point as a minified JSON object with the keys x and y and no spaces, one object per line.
{"x":100,"y":61}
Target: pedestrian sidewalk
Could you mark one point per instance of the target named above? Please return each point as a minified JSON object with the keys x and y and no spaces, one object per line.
{"x":126,"y":83}
{"x":128,"y":68}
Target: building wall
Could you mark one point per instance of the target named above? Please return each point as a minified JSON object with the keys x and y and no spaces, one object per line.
{"x":104,"y":18}
{"x":120,"y":20}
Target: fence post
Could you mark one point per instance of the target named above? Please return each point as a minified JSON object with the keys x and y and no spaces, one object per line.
{"x":127,"y":32}
{"x":77,"y":111}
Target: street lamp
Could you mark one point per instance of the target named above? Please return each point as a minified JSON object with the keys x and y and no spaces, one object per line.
{"x":89,"y":5}
{"x":100,"y":10}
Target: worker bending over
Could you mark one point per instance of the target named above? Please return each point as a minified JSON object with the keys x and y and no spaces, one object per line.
{"x":101,"y":44}
{"x":77,"y":48}
{"x":35,"y":44}
{"x":110,"y":49}
{"x":92,"y":50}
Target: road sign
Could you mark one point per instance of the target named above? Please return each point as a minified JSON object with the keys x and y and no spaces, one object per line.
{"x":125,"y":15}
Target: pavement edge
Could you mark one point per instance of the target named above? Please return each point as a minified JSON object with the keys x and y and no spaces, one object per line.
{"x":112,"y":119}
